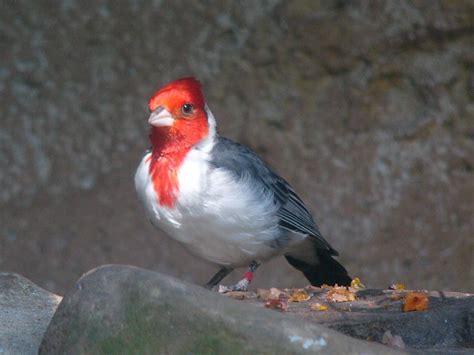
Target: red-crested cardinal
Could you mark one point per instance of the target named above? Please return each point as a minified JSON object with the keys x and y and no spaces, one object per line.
{"x":219,"y":199}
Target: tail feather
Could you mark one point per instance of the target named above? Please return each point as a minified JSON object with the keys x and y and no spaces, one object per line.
{"x":326,"y":271}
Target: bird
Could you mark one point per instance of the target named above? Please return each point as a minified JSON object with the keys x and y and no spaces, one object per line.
{"x":220,"y":200}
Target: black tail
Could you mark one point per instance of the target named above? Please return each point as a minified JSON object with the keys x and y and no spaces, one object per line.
{"x":327,"y":271}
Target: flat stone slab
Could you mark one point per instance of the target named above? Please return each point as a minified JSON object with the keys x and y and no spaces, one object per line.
{"x":123,"y":309}
{"x":25,"y":312}
{"x":447,"y":325}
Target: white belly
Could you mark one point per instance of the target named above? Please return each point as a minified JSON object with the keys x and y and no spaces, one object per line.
{"x":215,"y":217}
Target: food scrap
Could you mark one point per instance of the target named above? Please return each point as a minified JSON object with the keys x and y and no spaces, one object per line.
{"x":340,"y":294}
{"x":397,"y":287}
{"x":299,"y":296}
{"x":278,"y":304}
{"x":415,"y":301}
{"x":273,"y":293}
{"x":357,"y":284}
{"x":319,"y":307}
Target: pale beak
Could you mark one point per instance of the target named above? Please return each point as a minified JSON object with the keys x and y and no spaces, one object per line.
{"x":161,"y":118}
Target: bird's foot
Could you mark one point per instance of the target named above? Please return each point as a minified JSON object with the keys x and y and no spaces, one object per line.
{"x":242,"y":285}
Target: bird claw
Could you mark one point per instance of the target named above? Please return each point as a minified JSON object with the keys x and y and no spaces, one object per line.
{"x":241,"y":286}
{"x":224,"y":289}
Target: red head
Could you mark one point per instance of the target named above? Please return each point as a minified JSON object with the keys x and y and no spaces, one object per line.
{"x":178,"y":121}
{"x":178,"y":117}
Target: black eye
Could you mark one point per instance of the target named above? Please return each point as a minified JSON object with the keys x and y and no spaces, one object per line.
{"x":187,"y":109}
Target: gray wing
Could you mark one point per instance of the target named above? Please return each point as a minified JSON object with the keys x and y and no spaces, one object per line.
{"x":292,"y":212}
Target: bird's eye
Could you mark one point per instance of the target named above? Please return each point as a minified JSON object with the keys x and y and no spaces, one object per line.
{"x":187,"y":109}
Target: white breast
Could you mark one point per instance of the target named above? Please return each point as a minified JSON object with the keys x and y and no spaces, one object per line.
{"x":219,"y":218}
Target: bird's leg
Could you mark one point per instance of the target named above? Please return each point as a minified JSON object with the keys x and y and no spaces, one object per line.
{"x":244,"y":283}
{"x":223,"y":272}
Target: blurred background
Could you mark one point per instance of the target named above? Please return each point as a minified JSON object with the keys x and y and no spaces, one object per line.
{"x":365,"y":107}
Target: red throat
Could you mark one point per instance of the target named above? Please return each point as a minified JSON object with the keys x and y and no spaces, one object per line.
{"x":171,"y":144}
{"x":169,"y":149}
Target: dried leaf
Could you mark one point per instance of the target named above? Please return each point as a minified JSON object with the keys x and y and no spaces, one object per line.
{"x":357,"y":284}
{"x":397,"y":287}
{"x":340,"y":294}
{"x":272,"y":293}
{"x":299,"y":296}
{"x":415,"y":301}
{"x":319,"y":307}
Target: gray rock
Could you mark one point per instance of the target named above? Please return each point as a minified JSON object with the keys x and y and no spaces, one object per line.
{"x":446,"y":326}
{"x":25,"y":312}
{"x":121,"y":309}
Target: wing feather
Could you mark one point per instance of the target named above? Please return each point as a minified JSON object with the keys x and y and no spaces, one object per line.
{"x":293,"y":214}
